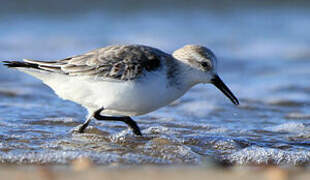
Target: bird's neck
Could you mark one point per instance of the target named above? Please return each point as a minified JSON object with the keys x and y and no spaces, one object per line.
{"x":181,"y":75}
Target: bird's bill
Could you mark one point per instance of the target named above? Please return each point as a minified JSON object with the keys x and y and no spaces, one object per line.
{"x":216,"y":81}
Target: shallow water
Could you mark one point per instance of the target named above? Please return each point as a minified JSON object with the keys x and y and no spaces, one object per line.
{"x":263,"y":57}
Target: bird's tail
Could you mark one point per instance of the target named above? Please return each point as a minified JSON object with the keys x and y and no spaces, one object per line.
{"x":34,"y":65}
{"x":18,"y":64}
{"x":39,"y":69}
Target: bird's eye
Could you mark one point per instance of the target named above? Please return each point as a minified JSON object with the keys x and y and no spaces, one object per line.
{"x":204,"y":64}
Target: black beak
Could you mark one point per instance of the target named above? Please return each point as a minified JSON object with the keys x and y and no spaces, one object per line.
{"x":216,"y":81}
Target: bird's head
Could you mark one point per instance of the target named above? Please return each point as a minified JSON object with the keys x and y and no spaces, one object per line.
{"x":202,"y":64}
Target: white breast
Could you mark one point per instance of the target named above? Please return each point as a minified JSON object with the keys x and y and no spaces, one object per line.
{"x":121,"y":98}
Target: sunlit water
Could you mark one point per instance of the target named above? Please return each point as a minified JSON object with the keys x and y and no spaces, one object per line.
{"x":263,"y":57}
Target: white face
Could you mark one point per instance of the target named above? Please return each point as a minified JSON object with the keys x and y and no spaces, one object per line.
{"x":203,"y":64}
{"x":200,"y":58}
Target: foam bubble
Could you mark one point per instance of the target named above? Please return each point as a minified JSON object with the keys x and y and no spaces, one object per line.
{"x":291,"y":127}
{"x":59,"y":157}
{"x":268,"y":156}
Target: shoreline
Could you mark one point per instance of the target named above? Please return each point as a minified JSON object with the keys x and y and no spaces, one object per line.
{"x":149,"y":173}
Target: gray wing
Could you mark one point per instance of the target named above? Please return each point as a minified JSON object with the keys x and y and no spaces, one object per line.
{"x":125,"y":62}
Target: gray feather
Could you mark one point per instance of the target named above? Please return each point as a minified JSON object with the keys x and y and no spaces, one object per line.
{"x":123,"y":62}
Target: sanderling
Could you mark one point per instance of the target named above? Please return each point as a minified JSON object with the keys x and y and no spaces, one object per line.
{"x":116,"y":82}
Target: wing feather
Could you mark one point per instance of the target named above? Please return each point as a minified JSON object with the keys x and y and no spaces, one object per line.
{"x":124,"y":62}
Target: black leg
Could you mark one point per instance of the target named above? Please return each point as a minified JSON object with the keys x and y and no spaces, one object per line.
{"x":84,"y":125}
{"x":126,"y":119}
{"x":81,"y":128}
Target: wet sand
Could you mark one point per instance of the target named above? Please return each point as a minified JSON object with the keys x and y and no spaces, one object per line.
{"x":150,"y":173}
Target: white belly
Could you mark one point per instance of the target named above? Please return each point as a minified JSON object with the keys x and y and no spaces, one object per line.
{"x":123,"y":98}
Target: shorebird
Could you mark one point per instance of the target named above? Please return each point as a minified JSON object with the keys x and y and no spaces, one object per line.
{"x":116,"y":82}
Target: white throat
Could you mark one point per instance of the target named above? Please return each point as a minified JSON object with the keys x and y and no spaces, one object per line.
{"x":187,"y":76}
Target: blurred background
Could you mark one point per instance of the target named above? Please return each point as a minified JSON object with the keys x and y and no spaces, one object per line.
{"x":236,"y":29}
{"x":263,"y":51}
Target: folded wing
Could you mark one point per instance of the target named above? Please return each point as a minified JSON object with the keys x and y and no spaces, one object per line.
{"x":125,"y":62}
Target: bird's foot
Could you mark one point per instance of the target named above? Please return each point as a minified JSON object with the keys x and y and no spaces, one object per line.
{"x":78,"y":129}
{"x":137,"y":132}
{"x":133,"y":126}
